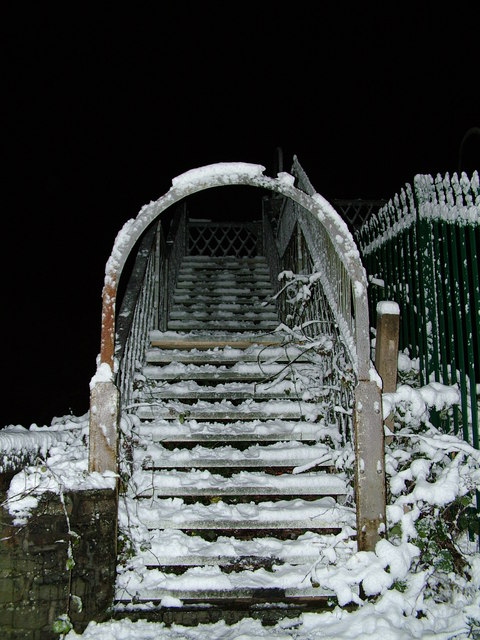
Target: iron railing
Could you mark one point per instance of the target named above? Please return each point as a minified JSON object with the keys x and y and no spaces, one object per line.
{"x":420,"y":250}
{"x":176,"y":247}
{"x":304,"y":308}
{"x":316,"y":252}
{"x":138,"y":312}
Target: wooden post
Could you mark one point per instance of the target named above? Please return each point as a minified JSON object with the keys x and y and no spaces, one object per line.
{"x":386,"y":348}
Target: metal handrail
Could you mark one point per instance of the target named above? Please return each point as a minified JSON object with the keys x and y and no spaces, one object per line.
{"x":138,"y":311}
{"x":344,"y":287}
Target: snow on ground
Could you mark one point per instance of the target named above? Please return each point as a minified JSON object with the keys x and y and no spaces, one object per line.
{"x":419,"y":587}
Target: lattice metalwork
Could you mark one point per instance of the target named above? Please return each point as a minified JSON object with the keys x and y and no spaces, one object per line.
{"x":176,"y":249}
{"x":356,"y":212}
{"x":219,"y":239}
{"x":271,"y":254}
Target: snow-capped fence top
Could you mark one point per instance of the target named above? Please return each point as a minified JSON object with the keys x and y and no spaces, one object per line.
{"x":421,"y":250}
{"x":448,"y":199}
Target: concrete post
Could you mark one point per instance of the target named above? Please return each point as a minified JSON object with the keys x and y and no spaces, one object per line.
{"x":104,"y":411}
{"x":369,"y":465}
{"x":386,"y":348}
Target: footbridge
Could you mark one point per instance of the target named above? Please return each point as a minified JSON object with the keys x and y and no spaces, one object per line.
{"x":235,"y":396}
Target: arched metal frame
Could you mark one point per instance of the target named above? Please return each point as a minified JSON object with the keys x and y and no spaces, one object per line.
{"x":367,"y":415}
{"x":252,"y":175}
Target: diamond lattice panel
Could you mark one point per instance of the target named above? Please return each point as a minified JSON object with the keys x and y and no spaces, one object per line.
{"x":222,"y":240}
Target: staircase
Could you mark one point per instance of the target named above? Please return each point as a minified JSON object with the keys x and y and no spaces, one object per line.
{"x":233,"y":494}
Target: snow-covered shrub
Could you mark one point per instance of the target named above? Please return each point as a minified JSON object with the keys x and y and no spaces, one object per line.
{"x":432,"y":483}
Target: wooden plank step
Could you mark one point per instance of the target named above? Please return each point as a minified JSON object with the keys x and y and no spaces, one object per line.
{"x":215,"y":271}
{"x":226,"y":298}
{"x":213,"y":340}
{"x":233,"y":597}
{"x":219,"y":289}
{"x":196,"y":304}
{"x":197,"y":315}
{"x":192,"y":303}
{"x":190,"y":342}
{"x":210,"y":285}
{"x":237,"y":275}
{"x":229,"y":265}
{"x":230,"y":262}
{"x":226,"y":291}
{"x":264,"y":325}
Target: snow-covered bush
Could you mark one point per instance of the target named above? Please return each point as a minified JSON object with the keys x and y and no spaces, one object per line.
{"x":433,"y":478}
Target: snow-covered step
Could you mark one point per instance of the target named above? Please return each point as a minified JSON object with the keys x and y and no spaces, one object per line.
{"x":281,"y":454}
{"x":171,"y":548}
{"x":204,"y":483}
{"x":220,"y":275}
{"x":213,"y":340}
{"x":191,"y":390}
{"x":224,"y":260}
{"x":211,"y":306}
{"x":197,"y":479}
{"x":254,"y":594}
{"x":278,"y":516}
{"x":219,"y":290}
{"x":243,"y":371}
{"x":231,"y":287}
{"x":179,"y":313}
{"x":190,"y":431}
{"x":229,"y":356}
{"x":226,"y":410}
{"x":181,"y":487}
{"x":191,"y":371}
{"x":192,"y":263}
{"x":253,"y":430}
{"x":224,"y":325}
{"x":226,"y":562}
{"x":205,"y":297}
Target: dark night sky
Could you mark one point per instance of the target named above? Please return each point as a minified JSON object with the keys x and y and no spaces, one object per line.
{"x":102,"y":108}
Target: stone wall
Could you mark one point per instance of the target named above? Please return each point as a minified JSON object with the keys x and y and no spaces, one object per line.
{"x":34,"y":581}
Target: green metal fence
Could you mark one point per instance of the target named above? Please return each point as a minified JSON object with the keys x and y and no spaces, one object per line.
{"x":420,"y":250}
